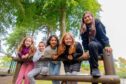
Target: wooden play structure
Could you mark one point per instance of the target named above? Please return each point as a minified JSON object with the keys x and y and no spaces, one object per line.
{"x":109,"y":77}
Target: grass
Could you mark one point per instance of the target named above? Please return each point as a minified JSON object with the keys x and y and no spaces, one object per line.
{"x":43,"y":82}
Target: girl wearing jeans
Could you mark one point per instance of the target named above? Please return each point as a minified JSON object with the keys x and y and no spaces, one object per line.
{"x":51,"y":52}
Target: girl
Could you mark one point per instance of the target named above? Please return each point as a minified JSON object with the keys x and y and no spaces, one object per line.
{"x":40,"y":66}
{"x":70,"y":51}
{"x":25,"y":51}
{"x":94,"y":40}
{"x":51,"y":52}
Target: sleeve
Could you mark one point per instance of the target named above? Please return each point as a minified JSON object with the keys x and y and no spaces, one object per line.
{"x":79,"y":51}
{"x":102,"y":33}
{"x":36,"y":56}
{"x":47,"y":54}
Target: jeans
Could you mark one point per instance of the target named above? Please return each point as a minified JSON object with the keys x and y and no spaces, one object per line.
{"x":95,"y":48}
{"x":54,"y":69}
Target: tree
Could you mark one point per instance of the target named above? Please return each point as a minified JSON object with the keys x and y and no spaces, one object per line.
{"x":62,"y":15}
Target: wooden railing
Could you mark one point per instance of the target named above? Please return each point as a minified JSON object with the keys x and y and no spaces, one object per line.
{"x":109,"y":77}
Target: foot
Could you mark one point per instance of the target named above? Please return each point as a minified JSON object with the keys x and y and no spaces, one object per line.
{"x":95,"y":73}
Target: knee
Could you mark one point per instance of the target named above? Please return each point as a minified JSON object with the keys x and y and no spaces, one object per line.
{"x":29,"y":75}
{"x":74,"y":73}
{"x":92,"y":45}
{"x":45,"y":70}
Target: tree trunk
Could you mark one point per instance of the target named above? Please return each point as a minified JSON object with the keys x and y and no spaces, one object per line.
{"x":62,"y":22}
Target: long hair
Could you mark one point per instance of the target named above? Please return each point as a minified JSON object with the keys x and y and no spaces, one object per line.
{"x":32,"y":48}
{"x":62,"y":46}
{"x":92,"y":25}
{"x":48,"y":41}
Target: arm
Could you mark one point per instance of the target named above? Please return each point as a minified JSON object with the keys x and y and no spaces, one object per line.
{"x":79,"y":51}
{"x":101,"y":33}
{"x":47,"y":53}
{"x":103,"y":38}
{"x":36,"y":56}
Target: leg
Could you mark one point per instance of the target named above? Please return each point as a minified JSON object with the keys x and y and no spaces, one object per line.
{"x":30,"y":66}
{"x":74,"y":73}
{"x":56,"y":71}
{"x":21,"y":74}
{"x":32,"y":74}
{"x":68,"y":82}
{"x":45,"y":71}
{"x":94,"y":48}
{"x":57,"y":68}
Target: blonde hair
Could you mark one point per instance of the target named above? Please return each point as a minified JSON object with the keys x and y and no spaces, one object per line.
{"x":32,"y":47}
{"x":62,"y":47}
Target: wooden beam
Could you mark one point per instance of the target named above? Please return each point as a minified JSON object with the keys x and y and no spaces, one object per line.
{"x":82,"y":78}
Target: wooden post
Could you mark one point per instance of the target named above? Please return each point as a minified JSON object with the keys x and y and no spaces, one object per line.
{"x":18,"y":65}
{"x":109,"y":64}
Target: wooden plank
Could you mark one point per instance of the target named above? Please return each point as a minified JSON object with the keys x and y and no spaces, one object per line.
{"x":82,"y":78}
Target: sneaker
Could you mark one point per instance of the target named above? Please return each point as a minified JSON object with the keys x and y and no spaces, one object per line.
{"x":95,"y":73}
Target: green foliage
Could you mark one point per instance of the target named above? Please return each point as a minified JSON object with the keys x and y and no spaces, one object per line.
{"x":5,"y":62}
{"x":121,"y":68}
{"x":6,"y":17}
{"x":85,"y":65}
{"x":29,"y":16}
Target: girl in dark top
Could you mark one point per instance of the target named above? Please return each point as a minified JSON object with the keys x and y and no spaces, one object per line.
{"x":70,"y":51}
{"x":94,"y":40}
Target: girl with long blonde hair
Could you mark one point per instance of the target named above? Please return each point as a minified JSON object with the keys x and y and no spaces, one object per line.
{"x":25,"y":51}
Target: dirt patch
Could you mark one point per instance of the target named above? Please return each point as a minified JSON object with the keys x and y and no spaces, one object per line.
{"x":6,"y":79}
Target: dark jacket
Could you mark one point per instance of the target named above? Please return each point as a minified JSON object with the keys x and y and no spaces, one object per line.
{"x":76,"y":55}
{"x":100,"y":35}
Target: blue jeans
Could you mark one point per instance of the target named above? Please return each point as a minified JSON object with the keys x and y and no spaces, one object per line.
{"x":54,"y":69}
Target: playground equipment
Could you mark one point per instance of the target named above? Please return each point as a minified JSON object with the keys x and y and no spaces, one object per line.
{"x":110,"y":76}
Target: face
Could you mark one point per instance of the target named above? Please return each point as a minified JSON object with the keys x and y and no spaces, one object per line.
{"x":68,"y":40}
{"x":41,"y":46}
{"x":88,"y":18}
{"x":28,"y":42}
{"x":53,"y":42}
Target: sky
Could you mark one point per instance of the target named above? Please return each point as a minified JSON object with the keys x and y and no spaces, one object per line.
{"x":113,"y":16}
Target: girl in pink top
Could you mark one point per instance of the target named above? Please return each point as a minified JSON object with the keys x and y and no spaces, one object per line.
{"x":25,"y":51}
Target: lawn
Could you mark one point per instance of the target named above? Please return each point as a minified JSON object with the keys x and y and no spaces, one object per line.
{"x":43,"y":82}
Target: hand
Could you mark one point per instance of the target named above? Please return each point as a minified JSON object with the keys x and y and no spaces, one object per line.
{"x":108,"y":50}
{"x":25,"y":56}
{"x":70,"y":57}
{"x":85,"y":55}
{"x":54,"y":56}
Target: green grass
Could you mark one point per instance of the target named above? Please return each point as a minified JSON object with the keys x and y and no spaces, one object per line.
{"x":43,"y":82}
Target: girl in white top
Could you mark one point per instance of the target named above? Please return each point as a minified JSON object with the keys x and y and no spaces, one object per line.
{"x":41,"y":67}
